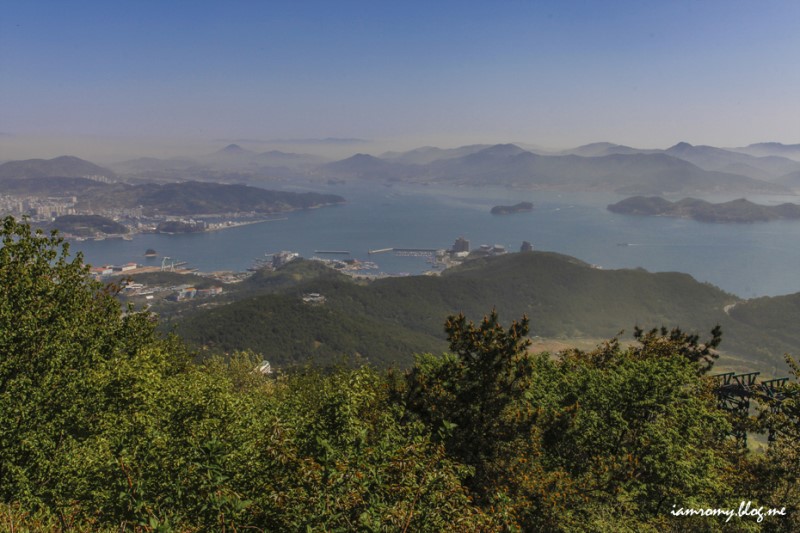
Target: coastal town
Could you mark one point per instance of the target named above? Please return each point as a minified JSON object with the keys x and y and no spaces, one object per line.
{"x":81,"y":224}
{"x":178,"y":281}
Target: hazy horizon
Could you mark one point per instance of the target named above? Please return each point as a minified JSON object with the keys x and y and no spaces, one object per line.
{"x":109,"y":151}
{"x":113,"y":81}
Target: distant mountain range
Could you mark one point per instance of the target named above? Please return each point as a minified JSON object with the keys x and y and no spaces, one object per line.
{"x":57,"y":177}
{"x":62,"y":167}
{"x":791,"y":151}
{"x":508,"y":165}
{"x":229,"y":163}
{"x":765,"y":168}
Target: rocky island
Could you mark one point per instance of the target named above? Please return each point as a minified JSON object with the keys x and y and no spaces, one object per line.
{"x":739,"y":211}
{"x":508,"y":209}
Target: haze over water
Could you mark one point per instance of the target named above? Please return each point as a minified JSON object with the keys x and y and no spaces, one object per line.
{"x":748,"y":260}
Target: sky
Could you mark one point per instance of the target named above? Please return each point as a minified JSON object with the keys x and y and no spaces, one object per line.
{"x":112,"y":79}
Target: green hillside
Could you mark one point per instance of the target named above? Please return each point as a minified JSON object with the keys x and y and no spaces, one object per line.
{"x":194,"y":197}
{"x":563,"y":297}
{"x":287,"y":331}
{"x":776,"y":316}
{"x":107,"y":425}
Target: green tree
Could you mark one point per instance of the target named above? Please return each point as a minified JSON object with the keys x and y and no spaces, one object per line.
{"x":77,"y":378}
{"x":603,"y":440}
{"x":477,"y":397}
{"x":775,"y":476}
{"x":56,"y":325}
{"x":354,"y":465}
{"x":678,"y":343}
{"x":106,"y":425}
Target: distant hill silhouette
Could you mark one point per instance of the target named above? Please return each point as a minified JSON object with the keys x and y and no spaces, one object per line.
{"x":734,"y":211}
{"x":235,"y":149}
{"x":791,"y":151}
{"x":64,"y":166}
{"x":711,"y":158}
{"x":229,"y":164}
{"x":509,"y":165}
{"x":194,"y":197}
{"x":48,"y":186}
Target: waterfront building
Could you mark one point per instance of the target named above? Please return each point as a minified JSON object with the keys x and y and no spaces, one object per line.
{"x":461,"y":245}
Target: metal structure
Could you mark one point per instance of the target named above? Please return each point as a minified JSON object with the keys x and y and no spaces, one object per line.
{"x":734,"y":392}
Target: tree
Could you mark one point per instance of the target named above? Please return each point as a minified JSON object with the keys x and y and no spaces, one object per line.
{"x":776,"y":474}
{"x":602,"y":440}
{"x":476,"y":398}
{"x":676,"y":342}
{"x":106,"y":425}
{"x":62,"y":339}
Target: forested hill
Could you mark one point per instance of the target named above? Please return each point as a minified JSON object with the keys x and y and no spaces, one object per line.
{"x":388,"y":320}
{"x":64,"y":166}
{"x":194,"y":197}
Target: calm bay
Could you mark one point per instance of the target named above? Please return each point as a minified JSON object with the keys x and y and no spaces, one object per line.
{"x":749,"y":260}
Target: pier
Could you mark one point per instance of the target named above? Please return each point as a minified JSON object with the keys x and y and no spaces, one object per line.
{"x":423,"y":250}
{"x":335,"y":252}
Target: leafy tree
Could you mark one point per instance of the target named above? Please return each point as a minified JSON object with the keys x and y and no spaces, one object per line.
{"x":602,"y":440}
{"x":476,"y":397}
{"x":105,"y":425}
{"x":352,"y":465}
{"x":776,"y":474}
{"x":676,"y":342}
{"x":56,"y":326}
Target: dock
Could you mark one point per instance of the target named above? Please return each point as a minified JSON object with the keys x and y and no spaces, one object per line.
{"x":335,"y":252}
{"x":403,"y":250}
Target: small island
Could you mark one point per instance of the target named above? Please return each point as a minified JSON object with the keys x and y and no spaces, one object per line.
{"x":508,"y":209}
{"x":150,"y":253}
{"x":738,"y":211}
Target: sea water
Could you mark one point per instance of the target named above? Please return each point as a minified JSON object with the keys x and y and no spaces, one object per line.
{"x":745,"y":259}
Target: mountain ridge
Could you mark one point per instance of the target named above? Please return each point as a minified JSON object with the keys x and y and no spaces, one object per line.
{"x":65,"y":166}
{"x":564,"y":297}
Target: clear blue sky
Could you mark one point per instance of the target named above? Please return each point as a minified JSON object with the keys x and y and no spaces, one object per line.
{"x":555,"y":73}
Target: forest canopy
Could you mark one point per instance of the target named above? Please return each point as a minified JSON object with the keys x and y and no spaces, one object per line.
{"x":107,"y":424}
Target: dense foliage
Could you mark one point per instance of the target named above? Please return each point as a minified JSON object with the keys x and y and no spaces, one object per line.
{"x":107,"y":425}
{"x":564,"y":298}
